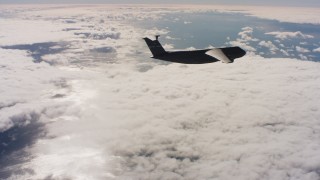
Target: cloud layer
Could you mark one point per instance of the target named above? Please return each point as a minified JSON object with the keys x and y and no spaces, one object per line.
{"x":285,"y":35}
{"x":241,"y":121}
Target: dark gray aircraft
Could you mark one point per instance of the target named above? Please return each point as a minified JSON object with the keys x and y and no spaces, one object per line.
{"x":226,"y":55}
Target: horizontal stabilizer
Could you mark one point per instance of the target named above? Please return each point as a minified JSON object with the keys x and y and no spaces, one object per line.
{"x":219,"y":55}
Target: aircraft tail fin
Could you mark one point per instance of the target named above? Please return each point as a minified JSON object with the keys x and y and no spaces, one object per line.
{"x":155,"y":46}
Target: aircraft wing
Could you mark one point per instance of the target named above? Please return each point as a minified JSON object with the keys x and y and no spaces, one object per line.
{"x":218,"y":54}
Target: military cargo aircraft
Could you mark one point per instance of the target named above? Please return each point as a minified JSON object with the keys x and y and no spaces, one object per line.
{"x":225,"y":55}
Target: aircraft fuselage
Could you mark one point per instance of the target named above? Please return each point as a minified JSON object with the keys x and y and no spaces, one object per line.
{"x":226,"y":55}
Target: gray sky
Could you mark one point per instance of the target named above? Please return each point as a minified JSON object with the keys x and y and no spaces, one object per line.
{"x":314,"y":3}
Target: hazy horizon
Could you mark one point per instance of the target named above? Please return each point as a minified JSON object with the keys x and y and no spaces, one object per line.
{"x":308,"y":3}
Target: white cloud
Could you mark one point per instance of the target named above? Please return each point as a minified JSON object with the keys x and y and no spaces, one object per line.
{"x":156,"y":31}
{"x":316,"y":50}
{"x":242,"y":45}
{"x":303,"y":57}
{"x":210,"y":47}
{"x":284,"y":52}
{"x":161,"y":138}
{"x":99,"y":35}
{"x":28,"y":31}
{"x":268,"y":44}
{"x":244,"y":40}
{"x":168,"y":46}
{"x":177,"y":132}
{"x":301,"y":49}
{"x":246,"y":34}
{"x":171,"y":38}
{"x":286,"y":35}
{"x":190,"y":48}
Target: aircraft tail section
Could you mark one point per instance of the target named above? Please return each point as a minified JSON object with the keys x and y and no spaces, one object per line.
{"x":155,"y":47}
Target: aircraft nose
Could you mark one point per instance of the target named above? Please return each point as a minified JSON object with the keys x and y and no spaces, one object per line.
{"x":242,"y":52}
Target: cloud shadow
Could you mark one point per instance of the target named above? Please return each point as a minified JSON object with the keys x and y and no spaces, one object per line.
{"x":15,"y":141}
{"x":37,"y":50}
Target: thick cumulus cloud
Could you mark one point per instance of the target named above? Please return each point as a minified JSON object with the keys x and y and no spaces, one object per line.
{"x":284,"y":52}
{"x":24,"y":82}
{"x":155,"y":31}
{"x":246,"y":34}
{"x":302,"y":50}
{"x":316,"y":50}
{"x":245,"y":37}
{"x":269,"y":45}
{"x":37,"y":98}
{"x":132,"y":118}
{"x":240,"y":121}
{"x":253,"y":119}
{"x":30,"y":98}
